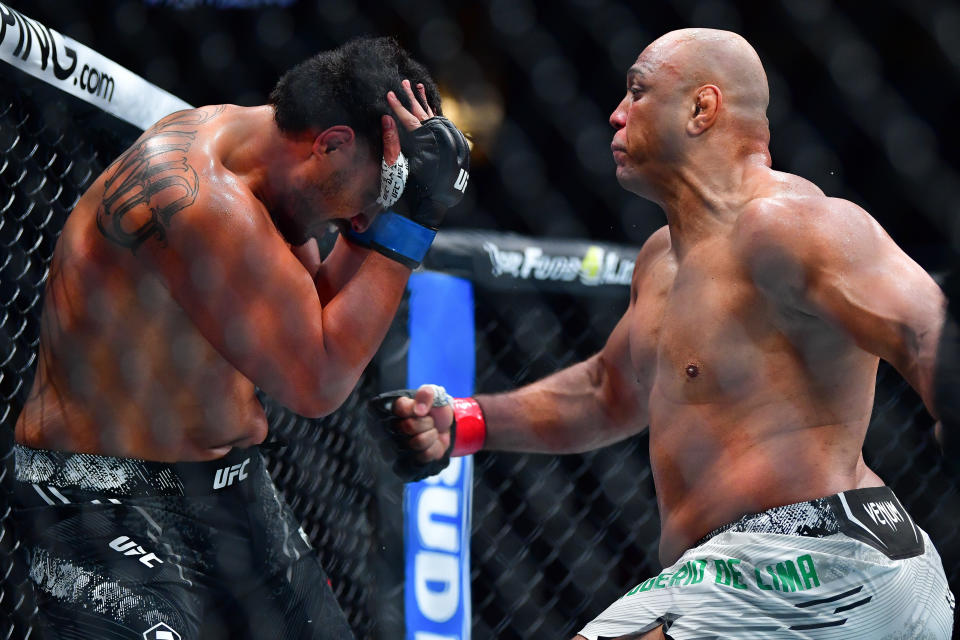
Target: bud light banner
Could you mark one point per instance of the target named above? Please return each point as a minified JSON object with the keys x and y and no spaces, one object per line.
{"x":437,"y":509}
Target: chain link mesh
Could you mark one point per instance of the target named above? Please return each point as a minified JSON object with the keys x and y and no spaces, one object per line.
{"x":555,"y":539}
{"x":327,"y":470}
{"x":45,"y":168}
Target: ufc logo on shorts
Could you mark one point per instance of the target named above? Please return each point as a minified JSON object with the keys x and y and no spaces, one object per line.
{"x":160,"y":632}
{"x":461,"y":182}
{"x":128,"y":547}
{"x":227,"y":475}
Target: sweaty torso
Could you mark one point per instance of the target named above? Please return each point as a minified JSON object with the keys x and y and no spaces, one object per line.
{"x":752,"y":403}
{"x":121,"y":368}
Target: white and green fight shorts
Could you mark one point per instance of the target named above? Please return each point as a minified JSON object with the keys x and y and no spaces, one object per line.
{"x":852,"y":566}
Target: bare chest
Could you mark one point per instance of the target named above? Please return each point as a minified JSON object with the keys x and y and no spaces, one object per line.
{"x":699,"y":329}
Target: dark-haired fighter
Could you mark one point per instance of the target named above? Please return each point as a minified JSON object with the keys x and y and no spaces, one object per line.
{"x":173,"y":292}
{"x":749,"y":349}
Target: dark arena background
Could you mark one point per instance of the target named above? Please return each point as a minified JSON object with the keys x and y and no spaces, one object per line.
{"x":864,"y":98}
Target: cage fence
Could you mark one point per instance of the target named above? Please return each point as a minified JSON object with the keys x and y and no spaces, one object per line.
{"x":554,"y":539}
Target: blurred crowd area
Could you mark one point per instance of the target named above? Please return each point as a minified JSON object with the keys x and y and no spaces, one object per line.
{"x":861,"y":93}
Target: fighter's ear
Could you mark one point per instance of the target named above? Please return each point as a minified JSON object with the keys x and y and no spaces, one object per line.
{"x":705,"y":109}
{"x":338,"y":136}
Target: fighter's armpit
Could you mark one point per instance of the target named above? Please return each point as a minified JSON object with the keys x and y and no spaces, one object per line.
{"x":152,"y":181}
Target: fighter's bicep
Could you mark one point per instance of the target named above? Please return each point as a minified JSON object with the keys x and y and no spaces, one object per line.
{"x":876,"y":293}
{"x":622,"y":392}
{"x":862,"y":282}
{"x":616,"y":350}
{"x":828,"y":258}
{"x":622,"y":365}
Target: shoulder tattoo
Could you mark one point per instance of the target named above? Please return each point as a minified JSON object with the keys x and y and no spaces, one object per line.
{"x":154,"y":172}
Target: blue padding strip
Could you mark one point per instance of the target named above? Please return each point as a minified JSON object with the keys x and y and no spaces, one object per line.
{"x":441,"y":332}
{"x":398,"y":234}
{"x":437,"y":510}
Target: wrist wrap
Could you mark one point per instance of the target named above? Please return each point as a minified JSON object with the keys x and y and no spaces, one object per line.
{"x":393,"y":179}
{"x":471,"y":427}
{"x":396,"y":237}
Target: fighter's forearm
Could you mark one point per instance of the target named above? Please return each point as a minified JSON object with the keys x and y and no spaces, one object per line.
{"x":921,"y":375}
{"x":917,"y":362}
{"x":568,"y":412}
{"x":355,"y":321}
{"x":338,"y":268}
{"x":946,"y":385}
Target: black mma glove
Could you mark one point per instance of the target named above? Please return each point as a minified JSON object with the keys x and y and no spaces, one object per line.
{"x":439,"y":171}
{"x":439,"y":166}
{"x":394,"y":444}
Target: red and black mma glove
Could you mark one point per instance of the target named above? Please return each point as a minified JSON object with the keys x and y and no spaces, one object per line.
{"x":467,"y":434}
{"x":439,"y":158}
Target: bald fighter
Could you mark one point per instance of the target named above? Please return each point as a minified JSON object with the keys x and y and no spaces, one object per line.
{"x":750,"y":347}
{"x":182,"y":281}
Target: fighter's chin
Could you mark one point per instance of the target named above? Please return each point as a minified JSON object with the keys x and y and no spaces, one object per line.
{"x":627,"y":178}
{"x":633,"y":182}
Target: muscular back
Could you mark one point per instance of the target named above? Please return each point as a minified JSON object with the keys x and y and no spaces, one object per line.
{"x":758,"y":383}
{"x":122,"y":369}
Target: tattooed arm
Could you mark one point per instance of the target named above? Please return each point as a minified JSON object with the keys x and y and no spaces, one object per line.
{"x":152,"y":181}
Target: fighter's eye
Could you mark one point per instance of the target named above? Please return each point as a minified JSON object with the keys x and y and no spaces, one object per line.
{"x":635,"y":91}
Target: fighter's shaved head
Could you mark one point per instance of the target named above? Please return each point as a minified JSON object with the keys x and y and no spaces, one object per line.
{"x":696,"y":101}
{"x":697,"y":57}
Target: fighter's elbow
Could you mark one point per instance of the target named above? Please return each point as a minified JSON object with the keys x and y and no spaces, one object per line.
{"x":317,"y":405}
{"x":302,"y":402}
{"x":317,"y":393}
{"x":309,"y":408}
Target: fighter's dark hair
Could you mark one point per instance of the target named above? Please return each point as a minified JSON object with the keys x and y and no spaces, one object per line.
{"x":348,"y":85}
